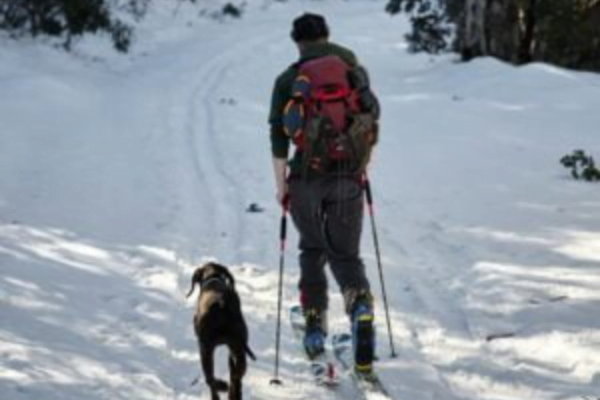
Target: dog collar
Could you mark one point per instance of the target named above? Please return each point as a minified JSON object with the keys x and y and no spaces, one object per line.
{"x":214,"y":278}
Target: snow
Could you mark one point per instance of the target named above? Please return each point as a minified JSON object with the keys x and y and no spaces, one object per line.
{"x":122,"y":173}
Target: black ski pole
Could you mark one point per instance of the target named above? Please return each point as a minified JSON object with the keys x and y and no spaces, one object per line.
{"x":282,"y":237}
{"x":379,"y":267}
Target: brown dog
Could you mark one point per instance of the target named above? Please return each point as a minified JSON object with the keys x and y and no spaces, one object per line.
{"x":218,"y":320}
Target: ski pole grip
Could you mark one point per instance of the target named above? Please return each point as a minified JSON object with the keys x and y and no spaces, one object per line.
{"x":283,"y":228}
{"x":285,"y":202}
{"x":368,"y":191}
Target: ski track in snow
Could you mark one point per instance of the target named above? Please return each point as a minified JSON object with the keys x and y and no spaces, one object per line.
{"x":217,"y":176}
{"x":229,"y":194}
{"x":430,"y":313}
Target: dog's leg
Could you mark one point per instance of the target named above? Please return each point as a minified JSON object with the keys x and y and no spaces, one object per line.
{"x":237,"y":370}
{"x":207,"y":361}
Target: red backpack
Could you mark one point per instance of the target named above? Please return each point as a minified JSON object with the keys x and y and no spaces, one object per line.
{"x":326,"y":117}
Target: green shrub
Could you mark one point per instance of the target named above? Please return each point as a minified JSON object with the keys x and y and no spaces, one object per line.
{"x":581,"y":166}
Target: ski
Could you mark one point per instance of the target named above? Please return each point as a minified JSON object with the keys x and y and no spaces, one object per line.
{"x":368,"y":382}
{"x":322,"y":367}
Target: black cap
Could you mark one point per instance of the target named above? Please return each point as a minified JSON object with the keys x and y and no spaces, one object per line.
{"x":309,"y":27}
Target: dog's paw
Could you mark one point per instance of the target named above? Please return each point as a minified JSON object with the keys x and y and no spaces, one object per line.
{"x":221,"y":386}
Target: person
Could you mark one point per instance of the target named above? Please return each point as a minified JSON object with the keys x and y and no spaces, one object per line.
{"x":326,"y":208}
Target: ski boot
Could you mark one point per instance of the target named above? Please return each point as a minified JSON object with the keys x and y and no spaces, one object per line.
{"x":363,"y":335}
{"x":314,"y":334}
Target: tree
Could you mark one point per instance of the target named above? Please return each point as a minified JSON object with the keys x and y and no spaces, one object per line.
{"x":568,"y":33}
{"x":562,"y":32}
{"x":429,"y":21}
{"x":67,"y":18}
{"x":84,"y":16}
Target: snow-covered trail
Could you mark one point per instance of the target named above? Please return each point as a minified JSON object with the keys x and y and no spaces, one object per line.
{"x":120,"y":180}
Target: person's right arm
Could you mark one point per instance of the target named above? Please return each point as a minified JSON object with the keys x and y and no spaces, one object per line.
{"x":280,"y":142}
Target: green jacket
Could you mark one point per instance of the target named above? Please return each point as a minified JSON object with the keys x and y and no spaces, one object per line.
{"x":280,"y":142}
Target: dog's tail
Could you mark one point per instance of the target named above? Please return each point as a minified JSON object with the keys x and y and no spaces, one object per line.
{"x":250,"y":353}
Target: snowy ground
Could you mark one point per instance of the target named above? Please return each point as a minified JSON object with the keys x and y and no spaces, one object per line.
{"x":120,"y":174}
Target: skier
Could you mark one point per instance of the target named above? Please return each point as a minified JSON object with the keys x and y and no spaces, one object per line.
{"x":325,"y":197}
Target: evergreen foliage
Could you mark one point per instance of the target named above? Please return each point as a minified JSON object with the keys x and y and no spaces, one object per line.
{"x":430,"y":28}
{"x":568,"y":33}
{"x":581,"y":166}
{"x":561,"y":32}
{"x":63,"y":18}
{"x":232,"y":10}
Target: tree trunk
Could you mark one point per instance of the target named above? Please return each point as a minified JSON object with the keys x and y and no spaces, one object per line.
{"x":502,"y":29}
{"x":474,"y":43}
{"x":528,"y":28}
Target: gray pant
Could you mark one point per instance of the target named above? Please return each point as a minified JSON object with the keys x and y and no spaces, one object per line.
{"x":328,"y":214}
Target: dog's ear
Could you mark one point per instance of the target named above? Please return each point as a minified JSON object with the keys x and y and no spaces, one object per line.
{"x":230,"y":277}
{"x":224,"y":271}
{"x":196,"y":279}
